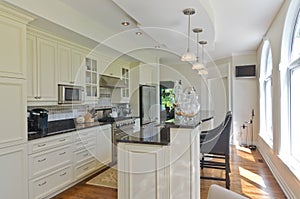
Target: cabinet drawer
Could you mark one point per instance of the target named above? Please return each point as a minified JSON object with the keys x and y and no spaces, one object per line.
{"x":43,"y":162}
{"x":83,"y":169}
{"x":49,"y":142}
{"x":85,"y":134}
{"x":83,"y":144}
{"x":85,"y":154}
{"x":48,"y":184}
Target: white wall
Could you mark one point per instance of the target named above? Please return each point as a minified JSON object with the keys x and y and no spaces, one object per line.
{"x":245,"y":95}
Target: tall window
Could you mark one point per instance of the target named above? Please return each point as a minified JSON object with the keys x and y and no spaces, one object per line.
{"x":266,"y":131}
{"x":293,"y":78}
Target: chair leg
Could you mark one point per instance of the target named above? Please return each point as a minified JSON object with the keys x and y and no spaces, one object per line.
{"x":201,"y":162}
{"x":227,"y":162}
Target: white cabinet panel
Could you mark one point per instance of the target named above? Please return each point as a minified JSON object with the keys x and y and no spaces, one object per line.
{"x":13,"y":112}
{"x":47,"y":69}
{"x":84,"y":169}
{"x":64,"y":64}
{"x":104,"y":145}
{"x":13,"y":172}
{"x":43,"y":162}
{"x":45,"y":185}
{"x":32,"y":83}
{"x":77,"y":71}
{"x":13,"y":48}
{"x":135,"y":179}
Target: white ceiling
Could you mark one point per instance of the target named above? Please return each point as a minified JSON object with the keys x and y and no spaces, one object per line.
{"x":230,"y":27}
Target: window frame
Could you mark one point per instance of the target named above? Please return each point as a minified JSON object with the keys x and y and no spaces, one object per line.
{"x":265,"y":77}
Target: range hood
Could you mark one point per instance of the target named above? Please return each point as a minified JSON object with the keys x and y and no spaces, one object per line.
{"x":111,"y":82}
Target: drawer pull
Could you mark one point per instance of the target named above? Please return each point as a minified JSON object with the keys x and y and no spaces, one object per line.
{"x":87,"y":154}
{"x":85,"y":143}
{"x":86,"y":168}
{"x":62,"y":140}
{"x":40,"y":145}
{"x":45,"y":182}
{"x":62,"y":153}
{"x":42,"y":160}
{"x":63,"y":174}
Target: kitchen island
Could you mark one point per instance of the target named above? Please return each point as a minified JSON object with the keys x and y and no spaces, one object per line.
{"x":161,"y":162}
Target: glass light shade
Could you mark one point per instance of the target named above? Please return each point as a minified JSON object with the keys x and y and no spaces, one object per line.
{"x":198,"y":66}
{"x":202,"y":72}
{"x":188,"y":56}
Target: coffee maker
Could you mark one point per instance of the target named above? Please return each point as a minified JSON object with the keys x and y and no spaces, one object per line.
{"x":38,"y":121}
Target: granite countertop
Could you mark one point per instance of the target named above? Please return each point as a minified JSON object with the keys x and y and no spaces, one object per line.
{"x":155,"y":135}
{"x":64,"y":126}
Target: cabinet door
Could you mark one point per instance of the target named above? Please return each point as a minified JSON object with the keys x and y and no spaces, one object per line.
{"x":13,"y":172}
{"x":13,"y":112}
{"x":77,"y":71}
{"x":47,"y":69}
{"x":64,"y":65}
{"x":146,"y":74}
{"x":104,"y":145}
{"x":31,"y":68}
{"x":12,"y":48}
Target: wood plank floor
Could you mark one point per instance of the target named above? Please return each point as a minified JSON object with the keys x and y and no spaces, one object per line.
{"x":250,"y":177}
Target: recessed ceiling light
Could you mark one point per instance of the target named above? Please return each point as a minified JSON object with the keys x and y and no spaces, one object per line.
{"x":139,"y":33}
{"x":125,"y":23}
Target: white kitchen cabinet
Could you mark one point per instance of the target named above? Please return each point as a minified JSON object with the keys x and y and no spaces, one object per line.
{"x":13,"y":42}
{"x":104,"y":145}
{"x":48,"y":184}
{"x":70,"y":64}
{"x":91,"y":78}
{"x":44,"y":162}
{"x":143,"y":166}
{"x":13,"y":181}
{"x":78,"y":62}
{"x":65,"y":65}
{"x":148,"y":74}
{"x":42,"y":69}
{"x":13,"y":112}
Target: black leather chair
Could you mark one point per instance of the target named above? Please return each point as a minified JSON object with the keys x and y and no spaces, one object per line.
{"x":215,"y":144}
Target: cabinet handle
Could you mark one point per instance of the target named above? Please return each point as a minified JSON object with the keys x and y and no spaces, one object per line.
{"x":40,"y":97}
{"x":40,"y":145}
{"x":36,"y":97}
{"x":63,"y":174}
{"x":72,"y":82}
{"x":85,"y":143}
{"x":62,"y":140}
{"x":86,"y":168}
{"x":42,"y":160}
{"x":62,"y":153}
{"x":45,"y":182}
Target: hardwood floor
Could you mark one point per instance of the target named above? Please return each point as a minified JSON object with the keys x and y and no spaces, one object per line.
{"x":250,"y":177}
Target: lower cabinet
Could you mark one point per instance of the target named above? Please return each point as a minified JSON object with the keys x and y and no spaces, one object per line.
{"x":58,"y":161}
{"x":47,"y":184}
{"x":13,"y":161}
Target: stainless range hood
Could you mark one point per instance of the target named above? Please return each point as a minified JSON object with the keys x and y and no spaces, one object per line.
{"x":111,"y":82}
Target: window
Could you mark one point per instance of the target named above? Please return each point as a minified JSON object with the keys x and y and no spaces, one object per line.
{"x":290,"y":136}
{"x":266,"y":131}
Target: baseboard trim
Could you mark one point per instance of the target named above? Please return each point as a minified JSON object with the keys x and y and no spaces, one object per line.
{"x":285,"y":188}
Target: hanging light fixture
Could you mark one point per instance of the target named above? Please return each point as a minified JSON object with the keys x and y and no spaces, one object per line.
{"x":188,"y":56}
{"x":197,"y":65}
{"x":202,"y":70}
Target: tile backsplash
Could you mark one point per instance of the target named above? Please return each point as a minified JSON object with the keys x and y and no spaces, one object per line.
{"x":63,"y":112}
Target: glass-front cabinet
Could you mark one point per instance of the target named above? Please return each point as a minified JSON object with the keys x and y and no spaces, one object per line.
{"x":125,"y":78}
{"x":91,"y":78}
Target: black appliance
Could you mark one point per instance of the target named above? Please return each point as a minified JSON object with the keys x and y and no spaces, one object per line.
{"x":38,"y":121}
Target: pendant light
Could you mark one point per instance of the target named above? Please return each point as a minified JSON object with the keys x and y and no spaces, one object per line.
{"x":188,"y":56}
{"x":202,"y":70}
{"x":197,"y":65}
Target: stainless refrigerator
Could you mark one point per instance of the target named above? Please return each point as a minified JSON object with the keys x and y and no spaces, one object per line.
{"x":148,"y":104}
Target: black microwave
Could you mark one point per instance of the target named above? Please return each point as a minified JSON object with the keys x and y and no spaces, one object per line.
{"x":70,"y":94}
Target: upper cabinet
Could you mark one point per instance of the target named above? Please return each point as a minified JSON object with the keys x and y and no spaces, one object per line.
{"x":91,"y":78}
{"x":70,"y":64}
{"x":42,"y":69}
{"x":13,"y":43}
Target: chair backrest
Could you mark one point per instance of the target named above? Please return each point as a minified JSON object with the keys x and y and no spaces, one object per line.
{"x":217,"y":141}
{"x":216,"y":191}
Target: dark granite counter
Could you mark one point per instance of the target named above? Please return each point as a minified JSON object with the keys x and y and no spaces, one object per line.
{"x":64,"y":126}
{"x":155,"y":135}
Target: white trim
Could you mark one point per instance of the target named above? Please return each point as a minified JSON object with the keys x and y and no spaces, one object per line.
{"x":277,"y":174}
